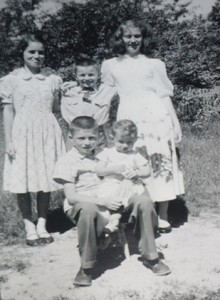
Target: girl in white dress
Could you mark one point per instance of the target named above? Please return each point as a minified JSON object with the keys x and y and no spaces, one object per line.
{"x":33,"y":138}
{"x":145,"y":90}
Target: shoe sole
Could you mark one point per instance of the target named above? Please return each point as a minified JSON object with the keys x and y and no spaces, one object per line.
{"x":162,"y":274}
{"x":81,"y":284}
{"x":165,"y":230}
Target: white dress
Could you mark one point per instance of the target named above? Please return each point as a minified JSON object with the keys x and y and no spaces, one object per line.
{"x":142,"y":85}
{"x":36,"y":134}
{"x":111,"y":184}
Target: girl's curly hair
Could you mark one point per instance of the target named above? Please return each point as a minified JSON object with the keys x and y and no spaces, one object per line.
{"x":117,"y":44}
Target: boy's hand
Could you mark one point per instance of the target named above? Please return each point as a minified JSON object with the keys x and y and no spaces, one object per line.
{"x":67,"y":86}
{"x":112,"y":203}
{"x":129,"y":173}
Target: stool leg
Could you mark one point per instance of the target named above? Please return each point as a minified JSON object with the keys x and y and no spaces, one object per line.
{"x":123,"y":241}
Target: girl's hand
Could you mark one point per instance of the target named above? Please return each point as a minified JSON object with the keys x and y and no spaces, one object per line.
{"x":9,"y":149}
{"x":177,"y":132}
{"x":67,"y":86}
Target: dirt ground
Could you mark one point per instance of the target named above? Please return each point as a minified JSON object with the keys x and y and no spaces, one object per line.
{"x":47,"y":272}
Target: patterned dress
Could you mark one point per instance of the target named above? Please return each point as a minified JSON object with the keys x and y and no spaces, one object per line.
{"x":143,"y":85}
{"x":36,"y":134}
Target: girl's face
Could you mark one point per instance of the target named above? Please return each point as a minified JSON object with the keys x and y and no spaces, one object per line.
{"x":132,"y":39}
{"x":34,"y":56}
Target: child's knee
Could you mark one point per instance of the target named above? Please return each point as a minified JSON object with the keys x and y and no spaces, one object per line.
{"x":145,"y":203}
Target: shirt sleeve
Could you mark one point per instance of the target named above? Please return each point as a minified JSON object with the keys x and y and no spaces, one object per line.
{"x":102,"y":101}
{"x":140,"y":161}
{"x":6,"y":89}
{"x":63,"y":171}
{"x":163,"y":85}
{"x":70,"y":105}
{"x":106,"y":73}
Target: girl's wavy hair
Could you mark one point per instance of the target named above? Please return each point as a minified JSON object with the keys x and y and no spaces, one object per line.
{"x":117,"y":45}
{"x":26,"y":39}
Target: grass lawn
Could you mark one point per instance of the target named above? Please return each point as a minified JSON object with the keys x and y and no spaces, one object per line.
{"x":200,"y":158}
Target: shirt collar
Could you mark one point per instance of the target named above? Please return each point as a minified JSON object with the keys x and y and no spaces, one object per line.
{"x":75,"y":152}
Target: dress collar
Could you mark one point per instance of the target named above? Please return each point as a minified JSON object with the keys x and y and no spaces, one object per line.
{"x":27,"y":75}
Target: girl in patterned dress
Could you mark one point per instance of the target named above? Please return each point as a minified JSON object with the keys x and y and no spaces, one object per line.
{"x":33,"y":138}
{"x":144,"y":91}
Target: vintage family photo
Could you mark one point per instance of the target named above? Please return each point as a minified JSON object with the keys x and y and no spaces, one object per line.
{"x":109,"y":150}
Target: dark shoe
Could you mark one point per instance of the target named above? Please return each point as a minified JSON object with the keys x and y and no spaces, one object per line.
{"x":165,"y":229}
{"x":157,"y":267}
{"x":104,"y":241}
{"x":33,"y":243}
{"x":47,"y":240}
{"x":83,"y":277}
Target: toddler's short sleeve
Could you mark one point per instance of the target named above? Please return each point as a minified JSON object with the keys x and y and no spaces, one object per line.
{"x":140,"y":161}
{"x":103,"y":156}
{"x":163,"y":85}
{"x":106,"y":73}
{"x":6,"y":89}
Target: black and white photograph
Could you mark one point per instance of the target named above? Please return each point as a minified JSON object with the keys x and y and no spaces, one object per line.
{"x":109,"y":150}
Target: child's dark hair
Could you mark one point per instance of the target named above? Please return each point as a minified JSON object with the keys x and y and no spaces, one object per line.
{"x":83,"y":122}
{"x":126,"y":129}
{"x":27,"y":39}
{"x":117,"y":44}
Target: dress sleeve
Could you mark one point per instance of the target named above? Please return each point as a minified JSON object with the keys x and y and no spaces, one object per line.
{"x":102,"y":100}
{"x":163,"y":85}
{"x":6,"y":89}
{"x":106,"y":73}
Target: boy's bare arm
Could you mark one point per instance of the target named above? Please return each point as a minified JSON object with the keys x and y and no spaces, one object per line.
{"x":104,"y":169}
{"x":141,"y":172}
{"x":73,"y":197}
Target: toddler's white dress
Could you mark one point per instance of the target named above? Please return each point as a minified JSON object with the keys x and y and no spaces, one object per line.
{"x":142,"y":85}
{"x":36,"y":134}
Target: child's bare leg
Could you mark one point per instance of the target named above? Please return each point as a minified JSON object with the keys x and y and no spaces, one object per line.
{"x":113,"y":223}
{"x":24,"y":204}
{"x":164,"y":225}
{"x":43,"y":201}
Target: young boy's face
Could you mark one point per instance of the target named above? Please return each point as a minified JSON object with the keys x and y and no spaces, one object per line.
{"x":85,"y":140}
{"x":87,"y":76}
{"x":123,"y":144}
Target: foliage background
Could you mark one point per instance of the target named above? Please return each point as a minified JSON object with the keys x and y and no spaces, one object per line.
{"x":187,"y":43}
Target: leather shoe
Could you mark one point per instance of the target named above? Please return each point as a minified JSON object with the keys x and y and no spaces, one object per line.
{"x":83,"y":277}
{"x":157,"y":267}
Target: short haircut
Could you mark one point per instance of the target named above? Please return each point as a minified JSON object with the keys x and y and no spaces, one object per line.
{"x":83,"y":122}
{"x":126,"y":129}
{"x":86,"y":62}
{"x":117,"y":44}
